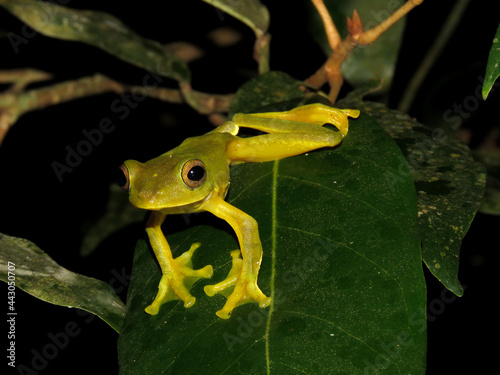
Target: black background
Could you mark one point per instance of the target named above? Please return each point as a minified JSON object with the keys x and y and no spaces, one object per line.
{"x":35,"y":205}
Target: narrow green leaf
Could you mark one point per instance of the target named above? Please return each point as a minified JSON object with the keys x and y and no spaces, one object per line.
{"x":251,"y":12}
{"x":100,"y":30}
{"x":449,"y":183}
{"x":493,"y":66}
{"x":491,"y":202}
{"x":341,"y":261}
{"x":33,"y":271}
{"x":374,"y":62}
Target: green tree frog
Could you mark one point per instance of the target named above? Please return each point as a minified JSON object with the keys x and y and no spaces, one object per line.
{"x":194,"y":177}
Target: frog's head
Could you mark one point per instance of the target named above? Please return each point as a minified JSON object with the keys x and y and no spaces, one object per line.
{"x":167,"y":182}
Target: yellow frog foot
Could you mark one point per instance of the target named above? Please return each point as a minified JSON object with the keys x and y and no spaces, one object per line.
{"x":177,"y":281}
{"x":245,"y":288}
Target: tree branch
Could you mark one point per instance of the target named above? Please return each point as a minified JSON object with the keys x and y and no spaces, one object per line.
{"x":14,"y":102}
{"x":332,"y":33}
{"x":330,"y":71}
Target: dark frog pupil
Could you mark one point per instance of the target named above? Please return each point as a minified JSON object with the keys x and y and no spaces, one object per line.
{"x":196,"y":173}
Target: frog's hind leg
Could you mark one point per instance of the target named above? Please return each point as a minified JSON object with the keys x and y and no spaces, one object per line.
{"x":317,"y":114}
{"x":291,"y":133}
{"x":270,"y":147}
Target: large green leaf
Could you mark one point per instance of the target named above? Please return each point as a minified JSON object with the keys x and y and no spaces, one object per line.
{"x":100,"y":30}
{"x":366,"y":63}
{"x":493,"y":66}
{"x":341,"y":261}
{"x":450,"y":186}
{"x":26,"y":266}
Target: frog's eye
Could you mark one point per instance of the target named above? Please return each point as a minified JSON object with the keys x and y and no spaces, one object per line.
{"x":123,"y":178}
{"x":194,"y":173}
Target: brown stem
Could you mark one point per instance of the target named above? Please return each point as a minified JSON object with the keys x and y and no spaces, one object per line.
{"x":330,"y":71}
{"x":261,"y":52}
{"x":331,"y":30}
{"x":372,"y":35}
{"x":20,"y":78}
{"x":15,"y":103}
{"x":205,"y":103}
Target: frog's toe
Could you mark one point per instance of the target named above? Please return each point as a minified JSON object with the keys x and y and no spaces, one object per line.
{"x":210,"y":290}
{"x":206,"y":272}
{"x":264,"y":302}
{"x":152,"y":309}
{"x":232,"y":303}
{"x":176,"y":283}
{"x":189,"y":301}
{"x":243,"y":292}
{"x":231,"y":278}
{"x":238,"y":287}
{"x":185,"y":258}
{"x":224,"y":313}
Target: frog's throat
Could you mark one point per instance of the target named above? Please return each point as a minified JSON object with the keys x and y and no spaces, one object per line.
{"x":186,"y":208}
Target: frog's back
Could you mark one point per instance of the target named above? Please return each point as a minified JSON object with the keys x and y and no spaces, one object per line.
{"x":211,"y":145}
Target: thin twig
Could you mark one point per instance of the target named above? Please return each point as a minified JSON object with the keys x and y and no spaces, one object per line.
{"x":26,"y":75}
{"x":372,"y":35}
{"x":332,"y":33}
{"x":15,"y":103}
{"x":261,"y":52}
{"x":20,"y":78}
{"x":330,"y":71}
{"x":205,"y":103}
{"x":432,"y":55}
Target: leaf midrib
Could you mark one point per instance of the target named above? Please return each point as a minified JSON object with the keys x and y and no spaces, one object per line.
{"x":274,"y":225}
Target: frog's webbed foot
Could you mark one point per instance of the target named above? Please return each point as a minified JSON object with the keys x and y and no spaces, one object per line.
{"x":176,"y":282}
{"x":245,"y":288}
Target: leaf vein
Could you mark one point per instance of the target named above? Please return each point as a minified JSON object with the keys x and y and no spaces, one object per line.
{"x":337,"y":191}
{"x":274,"y":226}
{"x":346,"y":332}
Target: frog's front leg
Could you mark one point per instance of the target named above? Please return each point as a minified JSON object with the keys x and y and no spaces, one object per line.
{"x":177,"y":274}
{"x":244,"y":272}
